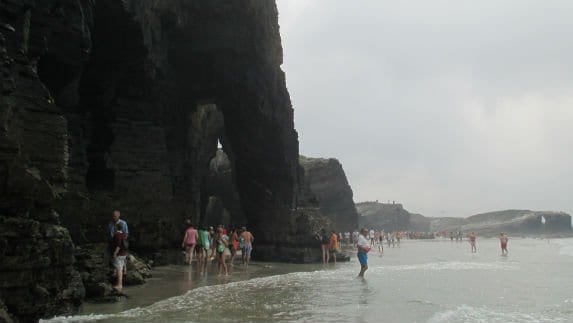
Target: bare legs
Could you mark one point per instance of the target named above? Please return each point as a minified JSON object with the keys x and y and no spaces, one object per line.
{"x":325,"y":254}
{"x":189,"y":253}
{"x":222,"y":264}
{"x":119,"y":273}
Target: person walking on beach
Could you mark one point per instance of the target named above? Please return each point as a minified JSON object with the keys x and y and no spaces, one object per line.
{"x":206,"y":246}
{"x":503,"y":241}
{"x":472,"y":237}
{"x":222,"y":242}
{"x":381,"y":244}
{"x":189,"y":242}
{"x":324,"y":245}
{"x":212,"y":235}
{"x":234,"y":246}
{"x":363,"y":249}
{"x":371,"y":236}
{"x":119,"y":255}
{"x":333,"y":246}
{"x":199,"y":245}
{"x":248,"y":240}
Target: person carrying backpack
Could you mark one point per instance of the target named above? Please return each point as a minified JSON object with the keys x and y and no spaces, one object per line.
{"x":119,"y":254}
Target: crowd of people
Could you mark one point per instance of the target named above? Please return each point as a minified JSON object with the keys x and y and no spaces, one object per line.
{"x":216,"y":244}
{"x":366,"y":239}
{"x":202,"y":246}
{"x":376,"y":237}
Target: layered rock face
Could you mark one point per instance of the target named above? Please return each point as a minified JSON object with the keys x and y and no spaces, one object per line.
{"x":328,"y":183}
{"x":383,"y":216}
{"x":394,"y":217}
{"x":119,"y":105}
{"x":524,"y":222}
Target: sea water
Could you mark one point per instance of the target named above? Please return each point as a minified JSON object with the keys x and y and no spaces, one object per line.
{"x":419,"y":281}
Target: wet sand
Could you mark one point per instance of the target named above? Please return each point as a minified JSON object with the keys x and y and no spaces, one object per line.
{"x":175,"y":280}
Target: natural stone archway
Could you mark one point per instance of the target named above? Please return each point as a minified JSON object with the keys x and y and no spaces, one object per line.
{"x":105,"y":106}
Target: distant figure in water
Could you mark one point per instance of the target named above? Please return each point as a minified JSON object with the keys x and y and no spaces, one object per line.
{"x":234,"y":246}
{"x":222,"y":242}
{"x":503,"y":241}
{"x":324,"y":245}
{"x":247,"y":241}
{"x":363,"y":249}
{"x":472,"y":237}
{"x":333,"y":246}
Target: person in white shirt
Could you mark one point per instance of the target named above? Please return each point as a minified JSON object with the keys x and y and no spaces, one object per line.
{"x":363,"y":249}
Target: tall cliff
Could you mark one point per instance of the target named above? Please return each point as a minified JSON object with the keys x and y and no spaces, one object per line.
{"x":119,"y":105}
{"x":328,"y":183}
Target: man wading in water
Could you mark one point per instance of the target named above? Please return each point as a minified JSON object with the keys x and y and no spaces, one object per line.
{"x":363,"y":248}
{"x":247,"y":238}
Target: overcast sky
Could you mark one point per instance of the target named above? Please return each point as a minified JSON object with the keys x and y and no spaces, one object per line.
{"x":449,"y":107}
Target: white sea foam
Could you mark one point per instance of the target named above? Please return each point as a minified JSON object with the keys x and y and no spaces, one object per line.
{"x":565,"y":246}
{"x":190,"y":302}
{"x":465,"y":313}
{"x":453,"y":265}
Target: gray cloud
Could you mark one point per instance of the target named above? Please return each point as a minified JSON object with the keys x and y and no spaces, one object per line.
{"x":450,"y":107}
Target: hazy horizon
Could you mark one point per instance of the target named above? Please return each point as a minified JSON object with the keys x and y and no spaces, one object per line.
{"x":450,"y":108}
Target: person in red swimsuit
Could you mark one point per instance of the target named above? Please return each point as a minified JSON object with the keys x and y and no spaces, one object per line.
{"x":472,"y":237}
{"x":503,"y":241}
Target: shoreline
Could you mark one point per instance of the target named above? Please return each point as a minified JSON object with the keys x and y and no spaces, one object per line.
{"x":176,"y":280}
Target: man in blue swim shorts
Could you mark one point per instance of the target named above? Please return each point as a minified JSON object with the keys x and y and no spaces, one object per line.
{"x":363,"y":249}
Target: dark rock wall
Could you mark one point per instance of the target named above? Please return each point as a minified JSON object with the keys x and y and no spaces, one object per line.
{"x":119,"y":104}
{"x":328,"y":183}
{"x":37,"y":276}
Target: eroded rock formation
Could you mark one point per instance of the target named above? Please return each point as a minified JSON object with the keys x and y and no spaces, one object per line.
{"x":386,"y":216}
{"x":523,"y":222}
{"x":328,"y":183}
{"x":390,"y":216}
{"x":119,"y":105}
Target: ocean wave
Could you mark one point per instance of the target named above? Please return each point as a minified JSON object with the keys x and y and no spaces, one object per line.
{"x":453,"y":265}
{"x":204,"y":298}
{"x":465,"y":313}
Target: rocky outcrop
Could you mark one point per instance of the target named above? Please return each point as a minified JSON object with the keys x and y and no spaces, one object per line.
{"x":119,"y":105}
{"x":383,"y":216}
{"x":328,"y":183}
{"x":525,"y":222}
{"x":92,"y":262}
